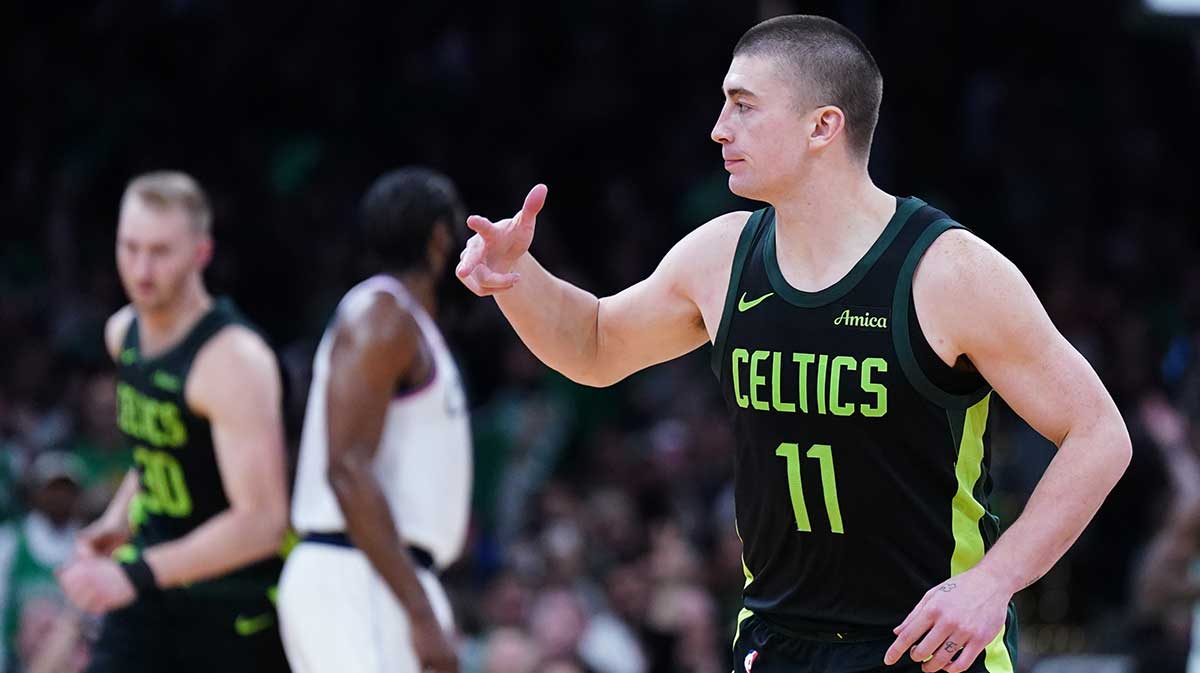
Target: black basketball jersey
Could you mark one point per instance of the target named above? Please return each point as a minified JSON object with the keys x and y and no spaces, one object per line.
{"x":861,"y":469}
{"x":180,"y":484}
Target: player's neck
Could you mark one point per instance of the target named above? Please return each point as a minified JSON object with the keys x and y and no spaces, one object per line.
{"x":825,"y":226}
{"x":421,"y":286}
{"x":160,"y":329}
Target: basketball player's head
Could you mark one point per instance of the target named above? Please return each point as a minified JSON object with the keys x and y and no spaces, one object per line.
{"x":801,"y":91}
{"x":408,"y":218}
{"x":163,"y":238}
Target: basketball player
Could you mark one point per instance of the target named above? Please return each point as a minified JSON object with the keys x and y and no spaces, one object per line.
{"x":859,"y":340}
{"x":384,"y":476}
{"x":182,"y":560}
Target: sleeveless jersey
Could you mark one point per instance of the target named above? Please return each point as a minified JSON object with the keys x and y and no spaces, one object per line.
{"x":179,"y":482}
{"x":423,"y":462}
{"x":861,"y":468}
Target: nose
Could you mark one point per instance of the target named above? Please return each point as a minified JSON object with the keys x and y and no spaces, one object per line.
{"x":720,"y":132}
{"x":142,"y":267}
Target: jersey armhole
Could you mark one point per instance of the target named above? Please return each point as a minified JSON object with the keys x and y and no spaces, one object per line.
{"x":744,"y":245}
{"x":902,"y":334}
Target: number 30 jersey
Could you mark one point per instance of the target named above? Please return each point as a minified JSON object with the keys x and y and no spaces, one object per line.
{"x":179,"y":483}
{"x":861,"y":469}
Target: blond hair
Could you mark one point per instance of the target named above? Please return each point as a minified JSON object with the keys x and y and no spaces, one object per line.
{"x":162,"y":190}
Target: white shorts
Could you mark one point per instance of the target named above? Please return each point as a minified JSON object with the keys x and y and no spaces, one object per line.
{"x":337,"y":615}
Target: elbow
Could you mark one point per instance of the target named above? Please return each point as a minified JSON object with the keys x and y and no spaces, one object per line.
{"x":275,"y":527}
{"x":1119,"y":451}
{"x":1124,"y":448}
{"x":265,"y":525}
{"x":344,"y":474}
{"x":593,"y":379}
{"x":596,"y":374}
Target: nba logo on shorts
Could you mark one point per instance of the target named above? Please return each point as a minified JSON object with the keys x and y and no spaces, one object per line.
{"x":749,"y":663}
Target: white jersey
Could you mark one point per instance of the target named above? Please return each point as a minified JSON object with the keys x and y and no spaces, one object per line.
{"x":424,"y":458}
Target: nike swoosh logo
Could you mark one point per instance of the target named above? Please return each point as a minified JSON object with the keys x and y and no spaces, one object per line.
{"x":744,"y":305}
{"x":248,"y":626}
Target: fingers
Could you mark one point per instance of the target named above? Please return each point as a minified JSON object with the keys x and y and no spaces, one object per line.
{"x":481,"y":225}
{"x":967,"y":657}
{"x":84,"y":549}
{"x":911,"y":615}
{"x":472,"y":255}
{"x":917,"y":623}
{"x":485,"y":282}
{"x":932,"y":642}
{"x":534,"y":201}
{"x":946,"y":649}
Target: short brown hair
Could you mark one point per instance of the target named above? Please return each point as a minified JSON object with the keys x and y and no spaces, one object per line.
{"x":830,"y":58}
{"x":173,"y":189}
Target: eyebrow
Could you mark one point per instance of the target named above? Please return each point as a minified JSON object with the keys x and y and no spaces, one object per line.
{"x":738,"y":91}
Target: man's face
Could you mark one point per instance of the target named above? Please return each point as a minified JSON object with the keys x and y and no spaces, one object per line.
{"x":762,"y":130}
{"x":158,"y":250}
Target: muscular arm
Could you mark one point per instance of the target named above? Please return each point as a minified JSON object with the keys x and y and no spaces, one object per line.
{"x":372,"y":351}
{"x":601,"y":341}
{"x":971,"y":301}
{"x":235,"y":384}
{"x":1012,"y":342}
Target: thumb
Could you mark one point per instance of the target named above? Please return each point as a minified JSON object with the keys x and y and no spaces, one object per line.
{"x":533,"y":203}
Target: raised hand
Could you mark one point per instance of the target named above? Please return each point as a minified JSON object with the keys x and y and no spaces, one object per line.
{"x":485,"y":265}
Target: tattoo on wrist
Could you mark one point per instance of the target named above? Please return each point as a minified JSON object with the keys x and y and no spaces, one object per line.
{"x":948,"y":587}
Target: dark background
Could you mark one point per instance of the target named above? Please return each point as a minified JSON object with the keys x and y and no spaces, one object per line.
{"x":1064,"y":137}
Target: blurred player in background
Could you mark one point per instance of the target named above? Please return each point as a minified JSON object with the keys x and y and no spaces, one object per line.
{"x":384,"y":476}
{"x":184,"y":559}
{"x":858,"y":339}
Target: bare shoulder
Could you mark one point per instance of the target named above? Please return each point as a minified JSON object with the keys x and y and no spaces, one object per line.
{"x":380,"y":319}
{"x":235,"y":364}
{"x":969,"y":297}
{"x":704,"y":257}
{"x":116,"y":328}
{"x":961,"y":265}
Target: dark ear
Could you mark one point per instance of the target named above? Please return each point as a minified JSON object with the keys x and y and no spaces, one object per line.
{"x":441,"y":243}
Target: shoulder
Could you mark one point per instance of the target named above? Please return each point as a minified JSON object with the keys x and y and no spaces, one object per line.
{"x":377,"y":317}
{"x":235,"y":360}
{"x":959,"y":264}
{"x":116,"y":328}
{"x":708,"y":249}
{"x":722,"y":232}
{"x":968,"y":295}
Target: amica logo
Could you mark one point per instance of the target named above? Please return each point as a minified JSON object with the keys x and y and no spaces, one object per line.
{"x":848,"y":319}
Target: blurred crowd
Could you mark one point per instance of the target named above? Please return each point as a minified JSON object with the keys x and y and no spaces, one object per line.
{"x":602,"y":537}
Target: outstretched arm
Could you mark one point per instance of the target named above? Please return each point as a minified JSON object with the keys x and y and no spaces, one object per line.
{"x":1012,"y":342}
{"x":599,"y":341}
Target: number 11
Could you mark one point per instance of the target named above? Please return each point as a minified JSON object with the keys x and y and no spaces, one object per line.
{"x":823,"y":453}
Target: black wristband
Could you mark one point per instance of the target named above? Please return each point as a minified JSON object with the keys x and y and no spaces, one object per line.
{"x":140,"y":576}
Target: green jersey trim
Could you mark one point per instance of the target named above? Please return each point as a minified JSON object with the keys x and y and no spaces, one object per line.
{"x":901,"y":335}
{"x":745,"y":243}
{"x":746,"y":612}
{"x":969,"y":547}
{"x":802,"y":299}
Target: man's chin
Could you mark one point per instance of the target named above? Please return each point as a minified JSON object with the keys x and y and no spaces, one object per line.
{"x":740,"y":187}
